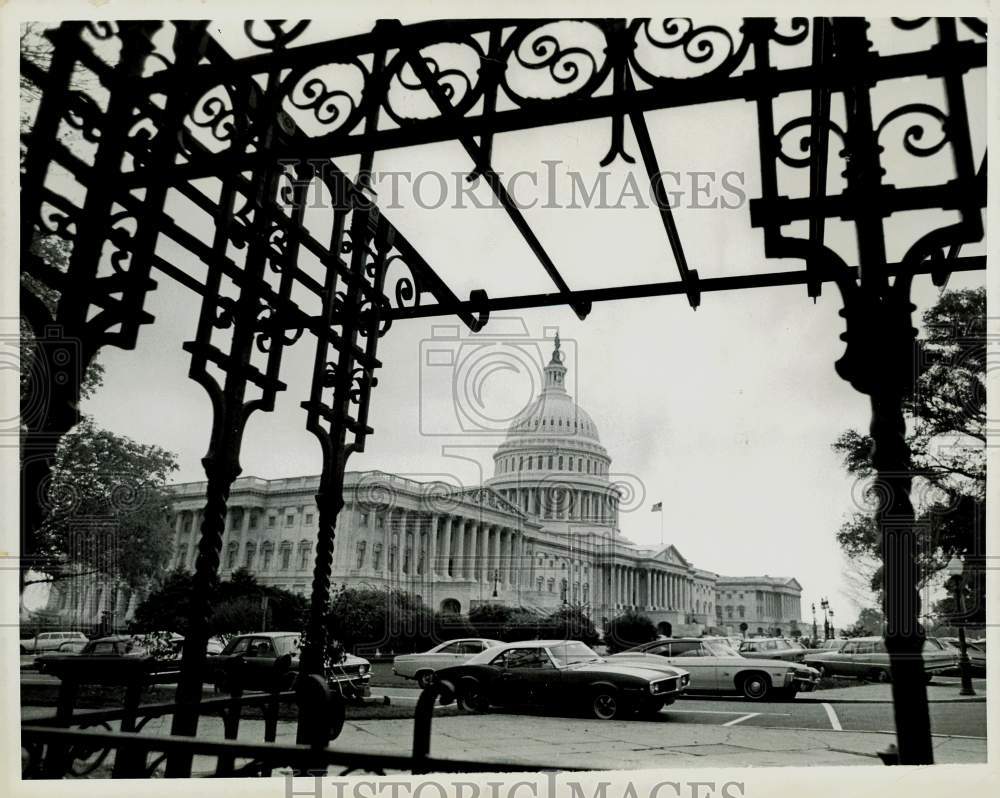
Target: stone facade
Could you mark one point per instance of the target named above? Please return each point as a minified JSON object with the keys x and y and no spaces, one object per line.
{"x":541,"y":533}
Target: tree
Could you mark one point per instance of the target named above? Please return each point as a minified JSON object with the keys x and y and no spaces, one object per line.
{"x":237,"y":606}
{"x":570,"y":623}
{"x":629,"y":629}
{"x":947,"y":436}
{"x":108,"y":509}
{"x":870,"y":623}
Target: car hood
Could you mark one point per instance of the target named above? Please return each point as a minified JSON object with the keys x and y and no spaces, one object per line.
{"x":651,"y":672}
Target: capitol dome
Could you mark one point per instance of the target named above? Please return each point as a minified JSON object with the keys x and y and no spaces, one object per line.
{"x":552,"y":464}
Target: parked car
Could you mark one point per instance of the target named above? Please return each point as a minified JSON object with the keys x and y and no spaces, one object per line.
{"x":772,"y":648}
{"x":867,"y":658}
{"x":51,"y":641}
{"x":716,"y":667}
{"x":562,"y":673}
{"x":976,"y":652}
{"x":352,"y":676}
{"x":451,"y":652}
{"x":114,"y":646}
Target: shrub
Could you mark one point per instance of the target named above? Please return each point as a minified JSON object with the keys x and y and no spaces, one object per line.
{"x":629,"y":629}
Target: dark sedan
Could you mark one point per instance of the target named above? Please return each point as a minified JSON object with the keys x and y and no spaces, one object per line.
{"x":258,"y":654}
{"x":561,"y":673}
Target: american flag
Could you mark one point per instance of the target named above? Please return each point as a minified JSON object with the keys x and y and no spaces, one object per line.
{"x":658,"y":507}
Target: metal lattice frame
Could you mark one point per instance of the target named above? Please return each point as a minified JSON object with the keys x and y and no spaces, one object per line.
{"x":266,"y":126}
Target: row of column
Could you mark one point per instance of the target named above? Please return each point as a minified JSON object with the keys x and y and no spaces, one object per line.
{"x":449,"y":546}
{"x":565,"y":504}
{"x":646,"y":587}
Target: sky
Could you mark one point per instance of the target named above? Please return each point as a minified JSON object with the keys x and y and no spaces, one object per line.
{"x":726,"y":414}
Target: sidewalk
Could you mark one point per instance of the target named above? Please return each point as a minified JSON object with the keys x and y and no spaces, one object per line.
{"x":938,"y":692}
{"x":601,"y":745}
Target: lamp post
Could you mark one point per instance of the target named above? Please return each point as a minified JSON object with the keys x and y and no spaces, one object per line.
{"x":833,"y":629}
{"x":496,"y":581}
{"x":813,"y":605}
{"x":825,"y":605}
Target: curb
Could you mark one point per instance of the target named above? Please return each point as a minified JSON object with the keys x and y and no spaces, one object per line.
{"x":816,"y":700}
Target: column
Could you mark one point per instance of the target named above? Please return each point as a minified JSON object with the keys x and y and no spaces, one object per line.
{"x":401,"y":546}
{"x":496,"y":534}
{"x":473,"y":555}
{"x":178,"y":525}
{"x":444,"y":553}
{"x":432,"y":534}
{"x":458,"y":547}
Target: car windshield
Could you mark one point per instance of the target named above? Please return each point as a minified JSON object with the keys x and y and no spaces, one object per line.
{"x":720,"y":648}
{"x":572,"y":654}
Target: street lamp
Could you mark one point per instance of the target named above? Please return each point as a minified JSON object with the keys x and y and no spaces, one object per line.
{"x":813,"y":605}
{"x":826,"y":623}
{"x":496,"y":581}
{"x":833,"y":629}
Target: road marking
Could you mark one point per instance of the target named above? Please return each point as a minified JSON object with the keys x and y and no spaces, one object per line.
{"x":742,"y":718}
{"x":834,"y":720}
{"x":725,"y":712}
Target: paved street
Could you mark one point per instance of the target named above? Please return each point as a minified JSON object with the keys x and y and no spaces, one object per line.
{"x":849,"y":728}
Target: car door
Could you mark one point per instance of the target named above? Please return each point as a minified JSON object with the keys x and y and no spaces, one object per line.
{"x":690,"y":655}
{"x":527,"y":676}
{"x":847,"y":661}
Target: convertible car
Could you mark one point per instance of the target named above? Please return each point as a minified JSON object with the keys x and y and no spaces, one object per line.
{"x":716,"y":667}
{"x":561,"y":673}
{"x":867,"y":658}
{"x":444,"y":655}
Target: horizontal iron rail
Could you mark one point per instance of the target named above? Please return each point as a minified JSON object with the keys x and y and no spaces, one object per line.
{"x":675,"y":93}
{"x":649,"y":290}
{"x":299,"y":757}
{"x":90,"y":716}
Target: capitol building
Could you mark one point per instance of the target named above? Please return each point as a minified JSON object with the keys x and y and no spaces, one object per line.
{"x":542,"y":533}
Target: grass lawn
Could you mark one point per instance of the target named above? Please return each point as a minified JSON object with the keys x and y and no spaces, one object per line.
{"x":382,"y":676}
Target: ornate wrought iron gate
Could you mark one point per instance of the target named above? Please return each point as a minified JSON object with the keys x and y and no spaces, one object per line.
{"x":164,"y":107}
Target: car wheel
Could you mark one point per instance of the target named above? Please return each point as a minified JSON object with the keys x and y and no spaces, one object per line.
{"x":756,"y":686}
{"x":605,"y":705}
{"x":883,"y":676}
{"x":472,"y":698}
{"x":425,"y":679}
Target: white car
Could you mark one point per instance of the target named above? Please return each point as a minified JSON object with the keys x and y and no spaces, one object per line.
{"x":53,"y":641}
{"x":444,"y":655}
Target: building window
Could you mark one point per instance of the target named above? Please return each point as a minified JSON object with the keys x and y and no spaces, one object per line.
{"x":309,"y":518}
{"x":588,"y":466}
{"x":362,"y":545}
{"x":552,"y":584}
{"x":550,"y":462}
{"x":364,"y":519}
{"x":253,"y":520}
{"x":231,"y":554}
{"x":286,"y":555}
{"x":305,"y":550}
{"x":377,"y":556}
{"x":251,"y":552}
{"x":271,"y":521}
{"x":393,"y":554}
{"x":586,"y":593}
{"x":290,"y":520}
{"x":569,"y":466}
{"x":729,"y":612}
{"x":539,"y":582}
{"x":560,"y":463}
{"x":266,"y":551}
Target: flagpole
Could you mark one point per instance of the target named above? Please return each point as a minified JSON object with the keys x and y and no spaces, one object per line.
{"x":661,"y":526}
